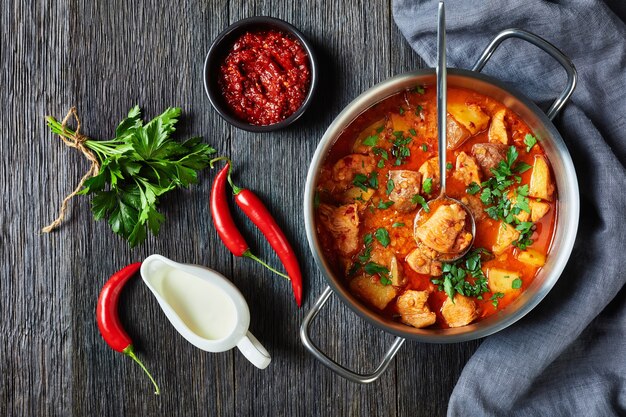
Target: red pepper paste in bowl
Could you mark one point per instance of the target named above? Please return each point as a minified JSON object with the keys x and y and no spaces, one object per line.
{"x":265,"y":77}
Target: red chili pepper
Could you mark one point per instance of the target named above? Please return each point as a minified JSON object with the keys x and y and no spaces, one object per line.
{"x":256,"y":211}
{"x":224,"y":223}
{"x":108,"y":320}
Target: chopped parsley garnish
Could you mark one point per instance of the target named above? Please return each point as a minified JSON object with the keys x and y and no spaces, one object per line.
{"x":449,"y":165}
{"x":424,"y":147}
{"x":455,"y":275}
{"x":529,"y":141}
{"x":398,"y":224}
{"x":516,"y":284}
{"x":372,"y":268}
{"x":380,"y":129}
{"x":382,"y":235}
{"x":400,"y":150}
{"x":473,"y":188}
{"x":428,"y":185}
{"x":401,"y":111}
{"x":364,"y":182}
{"x":419,"y":89}
{"x":390,"y":186}
{"x":495,"y":298}
{"x":370,"y":140}
{"x":418,"y":110}
{"x":384,"y":204}
{"x":413,"y":132}
{"x":418,"y":199}
{"x":381,"y":164}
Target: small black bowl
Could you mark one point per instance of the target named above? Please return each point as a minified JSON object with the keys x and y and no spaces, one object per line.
{"x":218,"y":52}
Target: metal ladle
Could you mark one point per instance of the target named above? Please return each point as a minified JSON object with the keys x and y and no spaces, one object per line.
{"x":442,"y":113}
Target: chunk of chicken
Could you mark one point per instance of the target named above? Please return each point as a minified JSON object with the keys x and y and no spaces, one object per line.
{"x":459,"y":313}
{"x":501,"y":280}
{"x":406,"y":185}
{"x":422,"y":260}
{"x":507,"y":234}
{"x":455,"y":132}
{"x":371,"y":290}
{"x":541,"y":185}
{"x":467,"y":170}
{"x":471,"y":116}
{"x":497,"y":130}
{"x":488,"y":156}
{"x":349,"y":166}
{"x":443,"y":231}
{"x":538,"y":209}
{"x":414,"y":310}
{"x":387,"y":258}
{"x":475,"y":206}
{"x":430,"y":169}
{"x":343,"y":224}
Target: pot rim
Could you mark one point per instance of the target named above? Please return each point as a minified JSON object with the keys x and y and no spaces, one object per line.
{"x":491,"y":324}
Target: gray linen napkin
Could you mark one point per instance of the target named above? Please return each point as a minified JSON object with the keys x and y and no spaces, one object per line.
{"x":568,"y":356}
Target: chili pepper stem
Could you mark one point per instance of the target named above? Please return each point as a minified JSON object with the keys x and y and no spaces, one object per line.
{"x":250,"y":255}
{"x":130,"y":352}
{"x":236,"y":190}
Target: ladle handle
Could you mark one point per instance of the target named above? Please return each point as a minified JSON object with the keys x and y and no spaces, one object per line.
{"x":330,"y":363}
{"x":442,"y":95}
{"x":254,"y":351}
{"x":553,"y":51}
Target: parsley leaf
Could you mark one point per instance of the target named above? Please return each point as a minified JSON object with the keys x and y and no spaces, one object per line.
{"x":529,"y":141}
{"x":384,"y":204}
{"x":428,"y":185}
{"x":390,"y":186}
{"x":372,"y":268}
{"x":382,"y":235}
{"x":455,"y":274}
{"x":418,"y":199}
{"x":398,"y":224}
{"x":370,"y":140}
{"x":516,"y":284}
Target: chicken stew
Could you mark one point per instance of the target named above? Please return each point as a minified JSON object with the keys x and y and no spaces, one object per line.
{"x":383,"y":168}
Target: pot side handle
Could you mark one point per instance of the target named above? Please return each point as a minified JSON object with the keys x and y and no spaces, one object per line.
{"x":330,"y":363}
{"x":546,"y":46}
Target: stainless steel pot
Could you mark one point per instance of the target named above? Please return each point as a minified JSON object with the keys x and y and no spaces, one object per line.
{"x":568,"y":203}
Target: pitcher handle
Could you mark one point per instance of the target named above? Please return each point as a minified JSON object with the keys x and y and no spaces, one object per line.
{"x":330,"y":363}
{"x":546,"y":46}
{"x":254,"y":351}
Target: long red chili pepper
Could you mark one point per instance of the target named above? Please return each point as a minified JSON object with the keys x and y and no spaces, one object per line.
{"x":224,"y":223}
{"x":108,"y":320}
{"x":256,"y":211}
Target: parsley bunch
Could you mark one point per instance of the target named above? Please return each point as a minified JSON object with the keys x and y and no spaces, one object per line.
{"x":138,"y":166}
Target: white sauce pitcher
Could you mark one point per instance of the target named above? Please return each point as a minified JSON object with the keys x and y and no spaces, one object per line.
{"x":204,"y":307}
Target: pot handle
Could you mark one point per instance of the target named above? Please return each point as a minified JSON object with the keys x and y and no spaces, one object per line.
{"x":550,"y":49}
{"x":331,"y":364}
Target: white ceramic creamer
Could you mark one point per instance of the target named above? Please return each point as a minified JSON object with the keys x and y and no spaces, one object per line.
{"x":204,"y":307}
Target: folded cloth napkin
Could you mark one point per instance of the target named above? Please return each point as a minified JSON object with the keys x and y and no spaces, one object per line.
{"x":568,"y":356}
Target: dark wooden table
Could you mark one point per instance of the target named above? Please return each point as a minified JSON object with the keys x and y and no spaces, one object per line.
{"x":104,"y":57}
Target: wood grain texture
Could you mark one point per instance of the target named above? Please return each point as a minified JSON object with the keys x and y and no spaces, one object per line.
{"x":104,"y":57}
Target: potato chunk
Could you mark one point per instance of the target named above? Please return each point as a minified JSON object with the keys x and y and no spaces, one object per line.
{"x":497,"y":130}
{"x":413,"y":309}
{"x":456,"y":133}
{"x":501,"y":280}
{"x":532,"y":257}
{"x":387,"y":258}
{"x":347,"y":167}
{"x":459,"y":313}
{"x":422,"y":260}
{"x":467,"y":170}
{"x":471,"y":116}
{"x":353,"y":194}
{"x":537,"y":209}
{"x":371,"y":290}
{"x":406,"y":185}
{"x":430,"y":169}
{"x":371,"y":130}
{"x":442,"y":230}
{"x":541,"y":185}
{"x":507,"y":234}
{"x":343,"y":224}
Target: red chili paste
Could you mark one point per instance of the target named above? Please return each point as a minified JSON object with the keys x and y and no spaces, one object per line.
{"x":265,"y":77}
